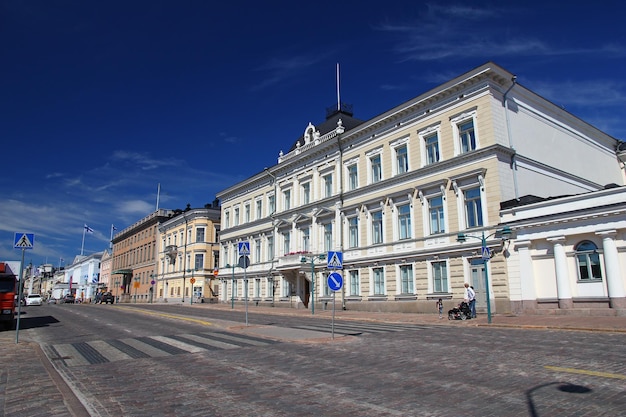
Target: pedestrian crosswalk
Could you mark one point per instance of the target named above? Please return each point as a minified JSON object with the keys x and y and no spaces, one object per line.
{"x":104,"y":351}
{"x":355,"y":329}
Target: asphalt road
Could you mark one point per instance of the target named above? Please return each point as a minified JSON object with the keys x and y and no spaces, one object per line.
{"x":170,"y":360}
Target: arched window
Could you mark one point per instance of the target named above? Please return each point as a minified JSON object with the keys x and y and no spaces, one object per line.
{"x":588,"y":261}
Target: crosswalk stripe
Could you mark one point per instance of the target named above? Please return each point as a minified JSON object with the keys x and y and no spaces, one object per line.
{"x":108,"y":351}
{"x":210,"y":343}
{"x":179,"y":344}
{"x":70,"y":355}
{"x":149,"y":350}
{"x":241,"y":340}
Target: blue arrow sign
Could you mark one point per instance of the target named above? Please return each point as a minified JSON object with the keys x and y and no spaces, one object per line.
{"x":335,"y":281}
{"x":335,"y":260}
{"x":24,"y":241}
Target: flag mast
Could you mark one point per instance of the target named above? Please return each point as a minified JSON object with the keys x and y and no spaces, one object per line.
{"x":338,"y":95}
{"x":158,"y":195}
{"x":82,"y":247}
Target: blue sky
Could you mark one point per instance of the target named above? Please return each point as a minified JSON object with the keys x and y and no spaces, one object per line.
{"x":102,"y":101}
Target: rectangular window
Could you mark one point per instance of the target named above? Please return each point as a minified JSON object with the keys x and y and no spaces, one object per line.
{"x":377,"y":227}
{"x":235,"y":290}
{"x":435,"y":212}
{"x":227,"y":219}
{"x":440,"y":276}
{"x":406,"y":279}
{"x":259,"y":209}
{"x":306,"y":193}
{"x":306,"y":239}
{"x":379,"y":281}
{"x":246,"y":213}
{"x":404,"y":221}
{"x":287,"y":199}
{"x":199,"y":234}
{"x":328,"y":236}
{"x":353,"y":177}
{"x":257,"y":250}
{"x":286,"y":242}
{"x":402,"y":160}
{"x":236,"y":219}
{"x":473,"y":208}
{"x":270,"y":247}
{"x":432,"y":149}
{"x":353,"y":232}
{"x":198,"y":262}
{"x":467,"y":136}
{"x":377,"y":170}
{"x":328,"y":185}
{"x":355,"y":285}
{"x":257,"y":287}
{"x":271,"y":202}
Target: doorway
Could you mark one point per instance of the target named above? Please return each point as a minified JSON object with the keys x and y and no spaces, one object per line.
{"x":477,"y":281}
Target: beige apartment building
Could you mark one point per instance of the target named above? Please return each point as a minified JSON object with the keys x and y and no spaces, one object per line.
{"x":188,"y":255}
{"x":393,"y":193}
{"x":134,"y":265}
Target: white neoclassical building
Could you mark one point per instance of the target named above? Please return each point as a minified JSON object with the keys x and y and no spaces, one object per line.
{"x":393,"y":193}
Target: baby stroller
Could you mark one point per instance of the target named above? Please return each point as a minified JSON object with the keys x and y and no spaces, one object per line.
{"x":462,"y":312}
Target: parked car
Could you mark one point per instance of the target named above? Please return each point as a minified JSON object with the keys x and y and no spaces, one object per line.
{"x":33,"y":300}
{"x":68,"y":299}
{"x":107,"y":298}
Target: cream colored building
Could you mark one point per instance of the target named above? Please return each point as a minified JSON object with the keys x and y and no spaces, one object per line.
{"x":189,"y":255}
{"x":392,"y":193}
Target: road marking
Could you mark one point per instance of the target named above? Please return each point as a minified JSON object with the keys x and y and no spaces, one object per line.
{"x":585,"y":372}
{"x":168,"y":316}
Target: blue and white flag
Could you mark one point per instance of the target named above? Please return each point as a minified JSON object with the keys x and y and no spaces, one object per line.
{"x":88,"y":229}
{"x":113,"y":227}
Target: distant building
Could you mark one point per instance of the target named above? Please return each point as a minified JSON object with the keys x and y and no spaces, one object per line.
{"x":188,"y":255}
{"x":393,"y":193}
{"x":82,"y":276}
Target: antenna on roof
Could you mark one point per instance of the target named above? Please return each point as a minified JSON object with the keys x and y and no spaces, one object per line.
{"x":338,"y":96}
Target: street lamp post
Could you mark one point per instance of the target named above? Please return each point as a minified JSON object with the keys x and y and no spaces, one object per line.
{"x":303,"y":260}
{"x":232,"y":286}
{"x":505,"y":234}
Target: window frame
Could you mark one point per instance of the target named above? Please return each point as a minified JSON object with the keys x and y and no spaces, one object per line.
{"x":588,"y":250}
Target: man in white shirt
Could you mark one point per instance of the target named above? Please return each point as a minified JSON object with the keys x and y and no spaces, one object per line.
{"x":470,"y":296}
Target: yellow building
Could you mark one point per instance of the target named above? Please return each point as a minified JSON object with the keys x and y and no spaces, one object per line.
{"x":392,"y":194}
{"x":189,"y":255}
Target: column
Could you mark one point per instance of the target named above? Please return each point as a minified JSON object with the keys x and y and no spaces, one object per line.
{"x":614,"y":279}
{"x":564,"y":292}
{"x":526,"y":272}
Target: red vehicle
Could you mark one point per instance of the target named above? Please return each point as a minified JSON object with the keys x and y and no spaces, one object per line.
{"x":8,"y":289}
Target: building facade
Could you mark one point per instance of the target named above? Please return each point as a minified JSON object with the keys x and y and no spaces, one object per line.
{"x":134,"y":259}
{"x":393,"y":193}
{"x":188,"y":255}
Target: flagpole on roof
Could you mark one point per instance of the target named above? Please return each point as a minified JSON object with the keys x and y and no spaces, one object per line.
{"x":338,"y":95}
{"x":111,"y":240}
{"x":82,"y":247}
{"x":158,"y":195}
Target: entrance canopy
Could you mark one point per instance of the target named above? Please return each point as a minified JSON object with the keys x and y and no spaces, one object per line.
{"x":122,"y":271}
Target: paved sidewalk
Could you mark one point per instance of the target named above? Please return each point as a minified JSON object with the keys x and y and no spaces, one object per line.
{"x":29,"y":385}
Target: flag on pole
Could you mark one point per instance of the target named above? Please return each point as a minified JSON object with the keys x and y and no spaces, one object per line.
{"x":113,"y":227}
{"x":88,"y":229}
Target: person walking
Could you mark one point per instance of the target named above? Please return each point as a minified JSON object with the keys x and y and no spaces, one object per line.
{"x":440,"y":308}
{"x":470,"y":297}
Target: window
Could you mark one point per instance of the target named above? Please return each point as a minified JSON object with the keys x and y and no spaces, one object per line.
{"x":259,"y":209}
{"x":200,"y":235}
{"x":355,"y":285}
{"x":473,"y":208}
{"x":287,"y":199}
{"x":198,"y":262}
{"x":257,"y":287}
{"x":246,"y":213}
{"x":235,"y":290}
{"x":467,"y":136}
{"x":353,"y":177}
{"x":406,"y":279}
{"x":328,"y":185}
{"x":227,"y":219}
{"x":271,"y":202}
{"x":379,"y":281}
{"x":404,"y":221}
{"x":440,"y":276}
{"x":432,"y":149}
{"x":236,"y":219}
{"x":376,"y":168}
{"x":328,"y":236}
{"x":270,"y":247}
{"x":402,"y":160}
{"x":377,"y":227}
{"x":306,"y":193}
{"x":588,"y":261}
{"x":257,"y":250}
{"x":435,"y":213}
{"x":353,"y":232}
{"x":286,"y":242}
{"x":324,"y":284}
{"x":306,"y":239}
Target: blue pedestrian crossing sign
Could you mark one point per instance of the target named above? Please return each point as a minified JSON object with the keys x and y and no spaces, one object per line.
{"x":486,"y":253}
{"x":335,"y":260}
{"x":335,"y":281}
{"x":244,"y":248}
{"x":24,"y":241}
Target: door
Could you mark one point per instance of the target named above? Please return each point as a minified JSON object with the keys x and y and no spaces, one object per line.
{"x":477,"y":269}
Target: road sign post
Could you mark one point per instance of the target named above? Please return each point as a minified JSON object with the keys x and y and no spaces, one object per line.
{"x":335,"y":283}
{"x":21,"y":241}
{"x":244,"y":262}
